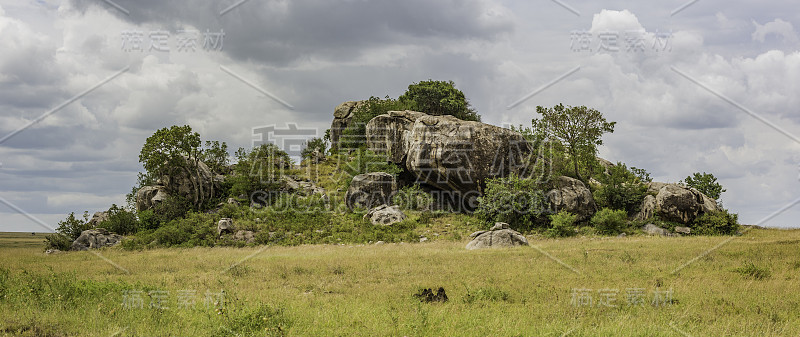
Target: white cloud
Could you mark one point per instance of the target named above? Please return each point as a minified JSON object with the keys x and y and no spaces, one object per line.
{"x":778,"y":27}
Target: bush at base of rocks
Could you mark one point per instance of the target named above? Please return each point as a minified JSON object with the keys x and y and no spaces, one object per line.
{"x":561,"y":224}
{"x":57,"y":241}
{"x":513,"y":200}
{"x":716,"y":223}
{"x":609,"y":221}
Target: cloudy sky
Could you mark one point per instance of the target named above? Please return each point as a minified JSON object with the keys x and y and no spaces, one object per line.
{"x":693,"y":86}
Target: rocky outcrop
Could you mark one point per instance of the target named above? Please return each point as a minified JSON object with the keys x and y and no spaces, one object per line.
{"x":149,"y":196}
{"x":499,"y":236}
{"x":224,"y":225}
{"x":446,"y":152}
{"x":192,"y":184}
{"x":303,"y":188}
{"x":676,"y":203}
{"x":652,"y":229}
{"x":573,"y":196}
{"x":385,"y":215}
{"x":342,"y":116}
{"x":96,"y":238}
{"x":98,"y":218}
{"x":370,"y":190}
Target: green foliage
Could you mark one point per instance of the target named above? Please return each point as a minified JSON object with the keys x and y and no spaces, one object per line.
{"x":174,"y":207}
{"x":57,"y":241}
{"x":561,"y":224}
{"x":354,"y":136}
{"x":716,"y":223}
{"x":120,"y":221}
{"x":517,"y":201}
{"x":163,"y":152}
{"x":258,"y":320}
{"x":148,"y":219}
{"x":622,"y":188}
{"x":72,"y":227}
{"x":489,"y":294}
{"x":413,"y":198}
{"x":196,"y":229}
{"x":609,"y":221}
{"x":706,"y":183}
{"x":215,"y":156}
{"x":579,"y":129}
{"x":318,"y":144}
{"x":750,"y":270}
{"x":259,"y":170}
{"x":365,"y":161}
{"x":439,"y":98}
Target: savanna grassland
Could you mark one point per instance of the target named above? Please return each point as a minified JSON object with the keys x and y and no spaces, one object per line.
{"x":579,"y":286}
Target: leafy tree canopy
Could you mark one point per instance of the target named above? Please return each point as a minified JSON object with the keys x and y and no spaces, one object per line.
{"x":706,"y":183}
{"x":439,"y":98}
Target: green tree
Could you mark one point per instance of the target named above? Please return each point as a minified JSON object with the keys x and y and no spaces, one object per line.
{"x":259,"y":169}
{"x":314,"y":144}
{"x":706,"y":183}
{"x":580,"y":130}
{"x":439,"y":98}
{"x":622,"y":188}
{"x":215,"y":156}
{"x":354,"y":135}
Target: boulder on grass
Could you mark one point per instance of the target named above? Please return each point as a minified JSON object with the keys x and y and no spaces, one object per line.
{"x":499,"y":236}
{"x":225,"y":225}
{"x":385,"y":215}
{"x":96,"y":238}
{"x":573,"y":196}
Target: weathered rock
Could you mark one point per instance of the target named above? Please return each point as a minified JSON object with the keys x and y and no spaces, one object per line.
{"x":605,"y":164}
{"x":676,"y":203}
{"x":303,"y":188}
{"x":98,"y":218}
{"x":149,"y":196}
{"x":246,"y":236}
{"x":683,"y":230}
{"x":499,"y":236}
{"x":652,"y":229}
{"x":446,"y":152}
{"x":647,"y":209}
{"x":225,"y":225}
{"x":370,"y":190}
{"x":385,"y":215}
{"x":572,"y":196}
{"x":52,"y":251}
{"x":96,"y":238}
{"x":341,"y":119}
{"x":192,"y":184}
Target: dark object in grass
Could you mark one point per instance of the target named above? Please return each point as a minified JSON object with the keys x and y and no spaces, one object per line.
{"x":427,"y":295}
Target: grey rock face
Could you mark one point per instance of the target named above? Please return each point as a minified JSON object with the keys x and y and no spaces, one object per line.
{"x":385,"y":215}
{"x":96,"y":238}
{"x":370,"y":190}
{"x":446,"y":152}
{"x":499,"y":236}
{"x":573,"y":196}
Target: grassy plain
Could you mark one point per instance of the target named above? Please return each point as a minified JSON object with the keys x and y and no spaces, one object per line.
{"x":748,"y":286}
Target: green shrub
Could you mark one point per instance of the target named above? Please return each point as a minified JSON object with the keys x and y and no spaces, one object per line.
{"x":413,"y":198}
{"x":196,"y":229}
{"x":72,"y":227}
{"x":148,"y":219}
{"x":622,"y":188}
{"x":513,"y":200}
{"x":57,"y":241}
{"x":365,"y":161}
{"x":172,"y":208}
{"x":120,"y":221}
{"x":716,"y":223}
{"x":750,"y":270}
{"x":354,"y":136}
{"x":562,"y":224}
{"x":609,"y":221}
{"x":318,"y":144}
{"x":259,"y":170}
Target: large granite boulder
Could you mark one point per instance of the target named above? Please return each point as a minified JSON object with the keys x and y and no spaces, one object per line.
{"x":193,"y":181}
{"x":385,"y":215}
{"x":676,"y":203}
{"x":572,"y":196}
{"x":98,"y":218}
{"x":341,"y":119}
{"x":499,"y":236}
{"x":445,"y":152}
{"x":96,"y":238}
{"x":370,"y":190}
{"x":149,"y":196}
